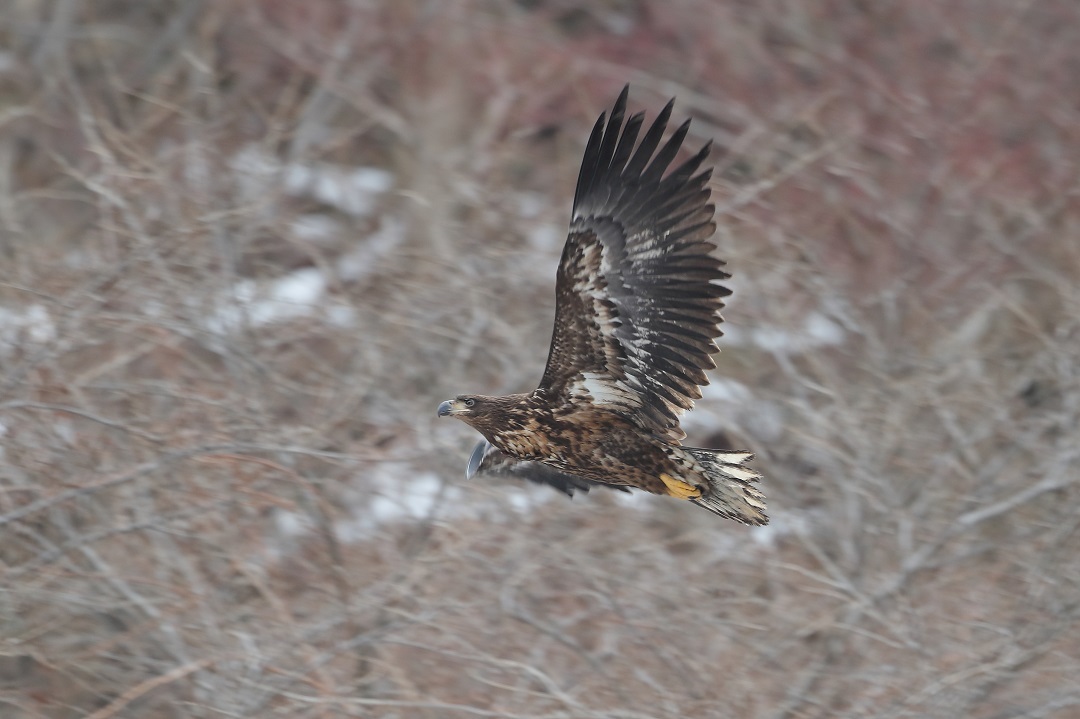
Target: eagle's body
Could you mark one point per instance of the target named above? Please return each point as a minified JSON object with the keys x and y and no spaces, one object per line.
{"x":637,"y":313}
{"x":532,"y":430}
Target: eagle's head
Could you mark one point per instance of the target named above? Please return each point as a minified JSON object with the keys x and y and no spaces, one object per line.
{"x":487,"y":415}
{"x":462,"y":407}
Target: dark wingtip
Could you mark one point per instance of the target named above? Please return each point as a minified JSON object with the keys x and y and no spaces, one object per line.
{"x":703,"y":153}
{"x":589,"y":163}
{"x":620,"y":103}
{"x":665,"y":114}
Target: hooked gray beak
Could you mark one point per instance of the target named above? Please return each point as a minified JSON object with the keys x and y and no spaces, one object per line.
{"x":444,"y":408}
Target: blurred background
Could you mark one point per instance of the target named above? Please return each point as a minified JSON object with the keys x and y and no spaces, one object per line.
{"x":247,"y":246}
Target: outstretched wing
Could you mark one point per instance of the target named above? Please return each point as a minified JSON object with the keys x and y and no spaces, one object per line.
{"x":637,"y":304}
{"x":486,"y":458}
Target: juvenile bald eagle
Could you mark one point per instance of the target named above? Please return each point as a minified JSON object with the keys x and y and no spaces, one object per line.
{"x":636,"y":316}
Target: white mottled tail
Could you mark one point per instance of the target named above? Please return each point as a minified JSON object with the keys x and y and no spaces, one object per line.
{"x":731,"y":493}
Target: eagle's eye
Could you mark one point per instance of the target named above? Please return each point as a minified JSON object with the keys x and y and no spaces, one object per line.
{"x":470,"y":402}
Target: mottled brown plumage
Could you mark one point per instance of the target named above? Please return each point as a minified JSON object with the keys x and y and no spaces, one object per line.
{"x":637,"y":314}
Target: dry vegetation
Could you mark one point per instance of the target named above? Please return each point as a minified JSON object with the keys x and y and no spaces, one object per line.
{"x":223,"y":490}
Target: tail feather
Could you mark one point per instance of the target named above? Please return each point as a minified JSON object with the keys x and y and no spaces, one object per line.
{"x":731,"y":493}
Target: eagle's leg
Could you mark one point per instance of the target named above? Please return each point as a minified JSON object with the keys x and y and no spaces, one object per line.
{"x":679,"y":488}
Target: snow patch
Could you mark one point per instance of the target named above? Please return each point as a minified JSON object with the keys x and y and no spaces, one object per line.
{"x":416,"y":503}
{"x":315,"y":227}
{"x":530,"y":204}
{"x":30,"y":324}
{"x":817,"y":331}
{"x":521,"y":501}
{"x":297,"y":294}
{"x":823,"y":330}
{"x":636,"y":500}
{"x":352,"y":190}
{"x":726,"y":403}
{"x":726,"y":390}
{"x":545,"y":236}
{"x":362,"y":260}
{"x":396,"y":495}
{"x":291,"y":524}
{"x":302,"y":287}
{"x":781,"y":524}
{"x":256,"y":172}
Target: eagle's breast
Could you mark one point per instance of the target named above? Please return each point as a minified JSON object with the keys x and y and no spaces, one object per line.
{"x":526,"y":433}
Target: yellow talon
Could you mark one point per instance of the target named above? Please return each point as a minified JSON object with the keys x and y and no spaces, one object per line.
{"x":679,"y":488}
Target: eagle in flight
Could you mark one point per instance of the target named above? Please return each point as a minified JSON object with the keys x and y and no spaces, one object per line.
{"x":636,"y":317}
